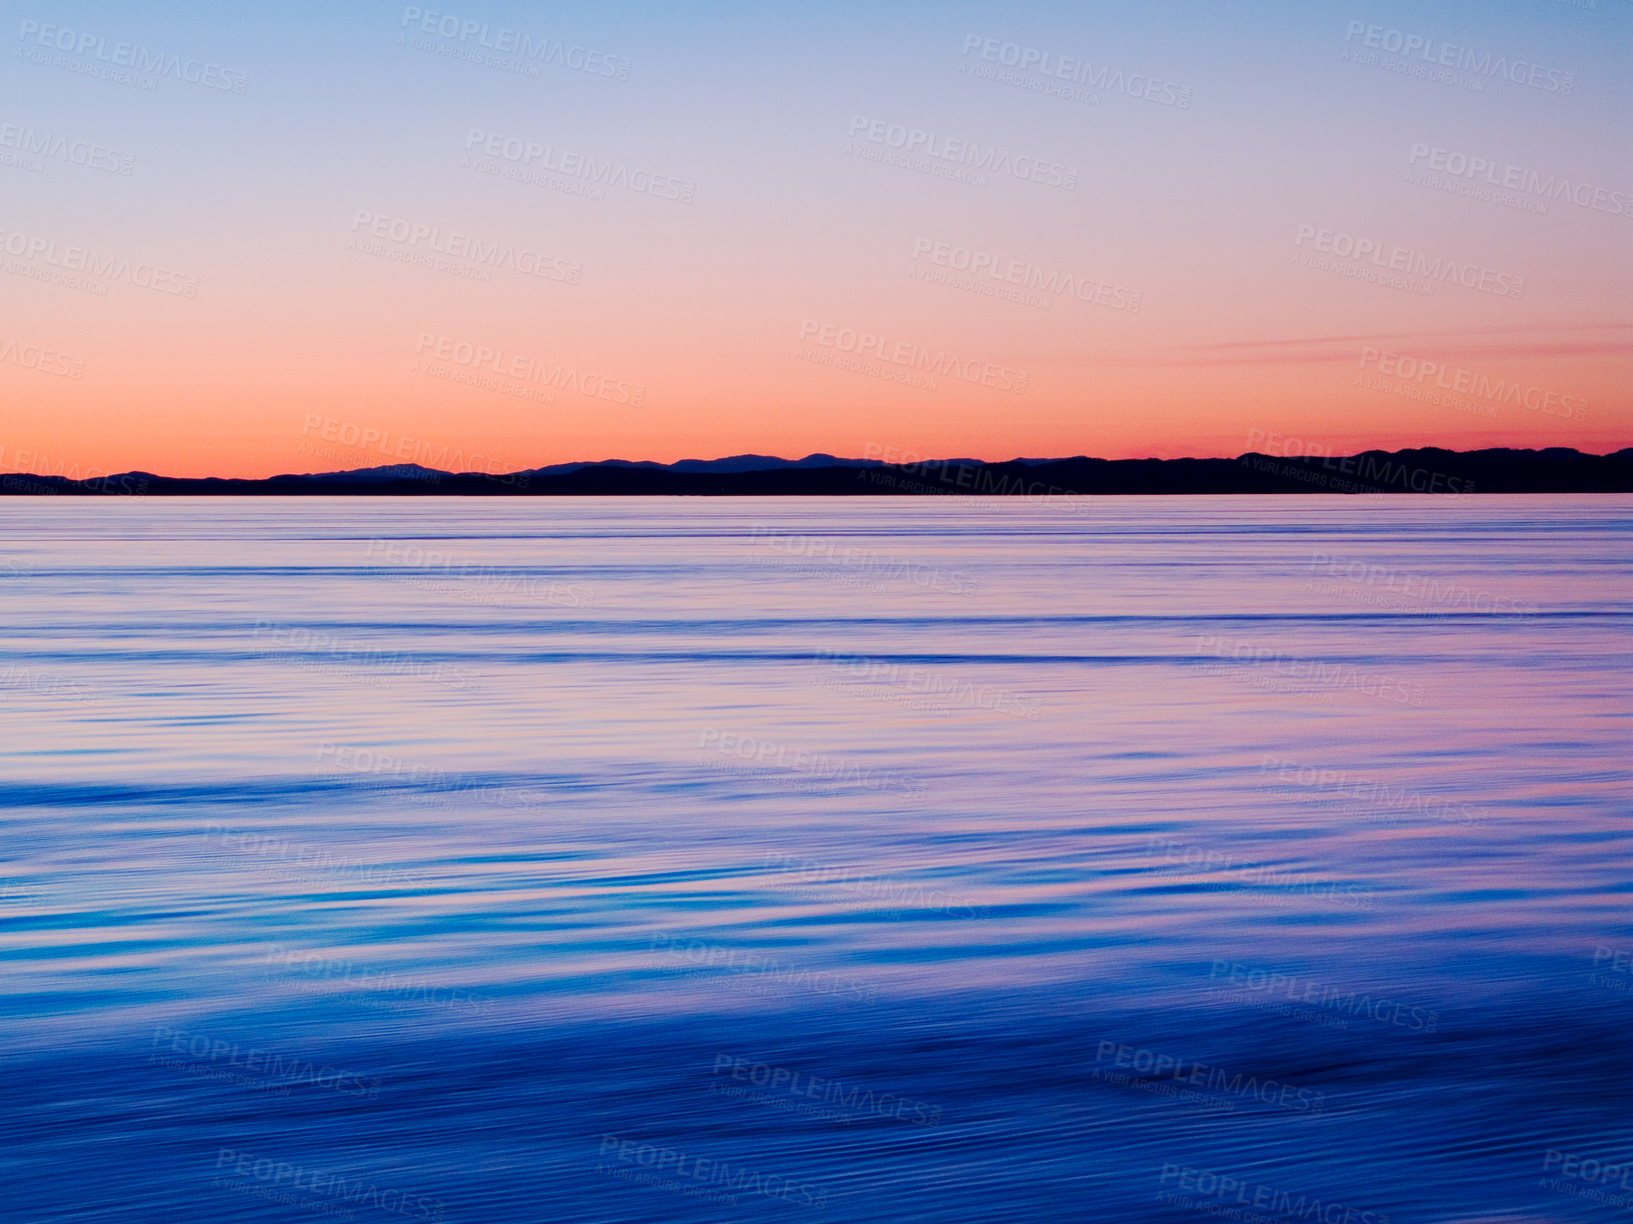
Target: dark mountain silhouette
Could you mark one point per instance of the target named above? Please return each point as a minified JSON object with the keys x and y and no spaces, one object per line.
{"x":1424,"y":470}
{"x":732,"y":463}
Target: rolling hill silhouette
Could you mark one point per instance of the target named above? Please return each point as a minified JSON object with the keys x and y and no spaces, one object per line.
{"x":1424,"y":470}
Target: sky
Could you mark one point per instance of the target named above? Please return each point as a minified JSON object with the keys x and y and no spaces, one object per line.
{"x":240,"y":239}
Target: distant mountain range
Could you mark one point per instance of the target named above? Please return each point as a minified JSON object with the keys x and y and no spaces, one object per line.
{"x":1425,"y":470}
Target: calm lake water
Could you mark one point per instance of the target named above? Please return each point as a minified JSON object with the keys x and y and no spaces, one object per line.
{"x":1125,"y":859}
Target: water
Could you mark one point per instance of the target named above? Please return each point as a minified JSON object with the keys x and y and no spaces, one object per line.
{"x":1129,"y":859}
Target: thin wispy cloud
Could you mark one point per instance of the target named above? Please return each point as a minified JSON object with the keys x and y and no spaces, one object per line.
{"x":1603,"y":339}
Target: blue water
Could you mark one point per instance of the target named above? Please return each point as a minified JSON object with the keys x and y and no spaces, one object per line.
{"x":1124,"y":859}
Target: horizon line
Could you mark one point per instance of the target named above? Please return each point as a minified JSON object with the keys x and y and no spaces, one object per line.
{"x":905,"y":460}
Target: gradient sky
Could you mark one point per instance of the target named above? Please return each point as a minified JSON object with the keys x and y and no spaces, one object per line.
{"x":694,"y":327}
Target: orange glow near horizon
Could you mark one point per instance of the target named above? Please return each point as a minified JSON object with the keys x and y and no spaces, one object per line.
{"x":373,"y":243}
